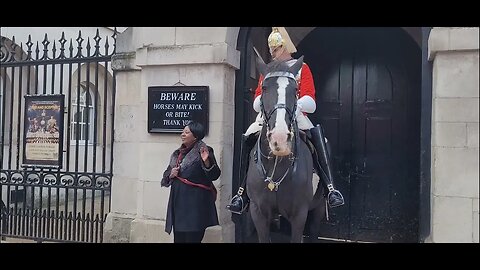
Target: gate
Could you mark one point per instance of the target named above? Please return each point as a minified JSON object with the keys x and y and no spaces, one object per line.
{"x":66,"y":201}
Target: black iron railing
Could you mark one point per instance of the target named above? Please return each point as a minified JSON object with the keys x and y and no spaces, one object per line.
{"x":68,"y":202}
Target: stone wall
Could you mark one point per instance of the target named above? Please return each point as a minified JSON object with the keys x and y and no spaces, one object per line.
{"x":166,"y":56}
{"x":455,"y":129}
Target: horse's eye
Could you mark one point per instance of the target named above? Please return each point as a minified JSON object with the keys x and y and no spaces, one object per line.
{"x":264,"y":88}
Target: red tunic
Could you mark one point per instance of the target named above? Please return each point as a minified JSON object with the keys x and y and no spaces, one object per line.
{"x":306,"y":85}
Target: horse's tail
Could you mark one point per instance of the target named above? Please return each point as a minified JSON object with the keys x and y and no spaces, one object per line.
{"x":313,"y":225}
{"x":318,"y":197}
{"x":316,"y":215}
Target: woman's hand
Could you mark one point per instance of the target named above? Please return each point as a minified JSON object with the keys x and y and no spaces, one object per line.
{"x":174,"y":172}
{"x":204,"y":153}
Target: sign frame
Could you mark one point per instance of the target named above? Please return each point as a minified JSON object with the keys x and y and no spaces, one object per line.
{"x":54,"y":126}
{"x":158,"y":116}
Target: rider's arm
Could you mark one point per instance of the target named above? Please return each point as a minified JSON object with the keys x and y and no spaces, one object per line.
{"x":258,"y":93}
{"x":306,"y":101}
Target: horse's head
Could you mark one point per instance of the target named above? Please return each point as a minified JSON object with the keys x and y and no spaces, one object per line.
{"x":279,"y":103}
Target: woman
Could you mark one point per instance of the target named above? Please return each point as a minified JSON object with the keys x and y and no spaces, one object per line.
{"x":192,"y":168}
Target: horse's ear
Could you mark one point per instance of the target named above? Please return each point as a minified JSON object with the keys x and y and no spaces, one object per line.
{"x":262,"y":67}
{"x":297,"y":66}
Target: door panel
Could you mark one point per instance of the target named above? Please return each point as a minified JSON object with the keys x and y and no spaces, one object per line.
{"x":334,"y":114}
{"x":368,"y":103}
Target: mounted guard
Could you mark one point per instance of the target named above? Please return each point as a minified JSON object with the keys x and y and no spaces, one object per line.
{"x":281,"y":48}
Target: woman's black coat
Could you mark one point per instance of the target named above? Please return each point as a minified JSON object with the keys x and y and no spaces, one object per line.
{"x":191,"y":208}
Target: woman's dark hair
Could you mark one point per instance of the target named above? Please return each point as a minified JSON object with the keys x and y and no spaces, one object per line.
{"x":197,"y":130}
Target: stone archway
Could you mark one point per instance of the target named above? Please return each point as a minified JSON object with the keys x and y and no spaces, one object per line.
{"x":245,"y":80}
{"x":297,"y":34}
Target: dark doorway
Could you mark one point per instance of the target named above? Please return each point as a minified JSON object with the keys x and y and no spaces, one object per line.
{"x":368,"y":83}
{"x":246,"y":79}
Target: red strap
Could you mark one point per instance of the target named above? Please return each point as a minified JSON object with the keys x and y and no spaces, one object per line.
{"x":210,"y":188}
{"x":186,"y":181}
{"x":179,"y":158}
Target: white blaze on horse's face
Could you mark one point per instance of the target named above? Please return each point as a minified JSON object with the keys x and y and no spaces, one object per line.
{"x":278,"y":142}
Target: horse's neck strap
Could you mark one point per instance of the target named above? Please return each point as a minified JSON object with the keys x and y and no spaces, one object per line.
{"x":279,"y":74}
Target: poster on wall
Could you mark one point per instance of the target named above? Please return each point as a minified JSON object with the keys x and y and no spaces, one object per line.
{"x":43,"y":131}
{"x":171,"y":108}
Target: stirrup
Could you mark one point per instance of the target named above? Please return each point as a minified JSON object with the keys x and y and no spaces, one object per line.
{"x":239,"y":200}
{"x":338,"y":199}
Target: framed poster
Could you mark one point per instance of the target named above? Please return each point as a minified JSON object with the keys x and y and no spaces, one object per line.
{"x":171,"y":108}
{"x":43,"y":130}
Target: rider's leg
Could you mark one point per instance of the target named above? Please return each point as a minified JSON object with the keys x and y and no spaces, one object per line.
{"x":240,"y":201}
{"x":323,"y":167}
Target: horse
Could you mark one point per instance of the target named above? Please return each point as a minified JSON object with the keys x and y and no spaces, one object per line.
{"x":280,"y":168}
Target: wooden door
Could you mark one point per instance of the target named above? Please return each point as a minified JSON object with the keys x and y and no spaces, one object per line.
{"x":368,"y":100}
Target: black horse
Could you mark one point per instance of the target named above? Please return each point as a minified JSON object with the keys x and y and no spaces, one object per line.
{"x":279,"y":179}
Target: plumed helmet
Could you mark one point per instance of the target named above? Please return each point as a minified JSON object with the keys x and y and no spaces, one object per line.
{"x":279,"y":37}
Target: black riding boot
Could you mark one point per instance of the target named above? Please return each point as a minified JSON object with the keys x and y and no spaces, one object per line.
{"x":240,"y":201}
{"x":323,"y":167}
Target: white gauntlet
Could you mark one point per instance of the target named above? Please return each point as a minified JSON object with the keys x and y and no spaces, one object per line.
{"x":256,"y":104}
{"x":306,"y":104}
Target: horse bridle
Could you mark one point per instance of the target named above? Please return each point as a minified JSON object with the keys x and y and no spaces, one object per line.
{"x":293,"y":127}
{"x":291,"y":113}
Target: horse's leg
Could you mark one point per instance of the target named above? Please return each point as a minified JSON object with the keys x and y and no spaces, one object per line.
{"x":316,"y":216}
{"x":262,"y":223}
{"x":298,"y":224}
